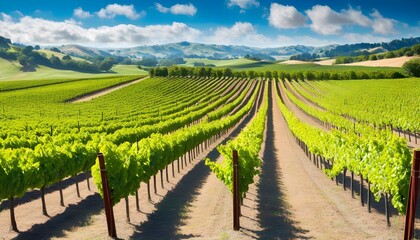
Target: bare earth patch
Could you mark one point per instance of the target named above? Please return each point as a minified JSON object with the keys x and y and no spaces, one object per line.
{"x":326,"y":62}
{"x":291,"y":199}
{"x":389,"y":62}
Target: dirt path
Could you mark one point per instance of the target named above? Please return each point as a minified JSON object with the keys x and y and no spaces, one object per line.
{"x":291,"y":199}
{"x":317,"y":205}
{"x":84,"y":218}
{"x":299,"y":113}
{"x":105,"y":91}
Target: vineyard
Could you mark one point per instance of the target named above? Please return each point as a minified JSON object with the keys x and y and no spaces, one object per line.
{"x":167,"y":143}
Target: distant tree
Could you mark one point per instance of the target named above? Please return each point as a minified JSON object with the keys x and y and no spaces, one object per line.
{"x":152,"y":72}
{"x":219,"y":73}
{"x":87,"y":67}
{"x":390,"y":54}
{"x":37,"y":47}
{"x":149,"y":61}
{"x":412,"y":68}
{"x":373,"y":57}
{"x":300,"y":75}
{"x":54,"y":49}
{"x":199,"y":64}
{"x":66,"y":57}
{"x":8,"y":55}
{"x":27,"y":50}
{"x":55,"y":61}
{"x":183,"y":71}
{"x":106,"y":64}
{"x":409,"y":53}
{"x":227,"y":72}
{"x":309,"y":75}
{"x":416,"y":49}
{"x":267,"y":75}
{"x":251,"y":74}
{"x":25,"y":60}
{"x":276,"y":75}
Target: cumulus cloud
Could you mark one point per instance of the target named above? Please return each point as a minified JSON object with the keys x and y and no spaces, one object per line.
{"x":328,"y":22}
{"x":368,"y":38}
{"x":283,"y":40}
{"x":31,"y":30}
{"x":113,"y":10}
{"x":161,"y":8}
{"x":80,"y":13}
{"x":243,"y":4}
{"x":282,"y":16}
{"x":179,"y":9}
{"x":241,"y":33}
{"x":382,"y":25}
{"x":6,"y":18}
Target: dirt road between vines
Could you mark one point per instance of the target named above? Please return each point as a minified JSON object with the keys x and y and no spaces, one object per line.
{"x":290,"y":199}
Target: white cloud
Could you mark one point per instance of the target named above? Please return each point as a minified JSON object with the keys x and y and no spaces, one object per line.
{"x":382,"y":25}
{"x":186,"y":9}
{"x":328,"y":22}
{"x":367,"y":38}
{"x":243,"y":4}
{"x":29,"y":30}
{"x":161,"y":8}
{"x":283,"y":40}
{"x":19,"y":13}
{"x":6,"y":18}
{"x":113,"y":10}
{"x":241,"y":33}
{"x":356,"y":17}
{"x":178,"y":9}
{"x":80,"y":13}
{"x":282,"y":16}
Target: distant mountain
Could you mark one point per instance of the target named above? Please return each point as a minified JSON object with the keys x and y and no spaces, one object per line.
{"x":84,"y":52}
{"x":215,"y":51}
{"x":359,"y":48}
{"x":191,"y":50}
{"x":198,"y":50}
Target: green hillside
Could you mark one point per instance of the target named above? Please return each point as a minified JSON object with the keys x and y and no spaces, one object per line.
{"x":49,"y":53}
{"x":11,"y":70}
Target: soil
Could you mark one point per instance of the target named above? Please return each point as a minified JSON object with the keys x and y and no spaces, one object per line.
{"x":290,"y":199}
{"x":389,"y":62}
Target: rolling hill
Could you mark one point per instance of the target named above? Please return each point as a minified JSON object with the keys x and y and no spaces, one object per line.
{"x":216,"y":51}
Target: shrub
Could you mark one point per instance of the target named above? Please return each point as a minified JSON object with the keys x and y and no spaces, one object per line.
{"x":412,"y":67}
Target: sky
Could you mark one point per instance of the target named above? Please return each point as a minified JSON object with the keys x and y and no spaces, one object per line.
{"x":255,"y":23}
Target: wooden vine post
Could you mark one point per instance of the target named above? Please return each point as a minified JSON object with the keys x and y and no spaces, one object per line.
{"x":236,"y":201}
{"x":412,"y":197}
{"x":12,"y":215}
{"x":109,"y":212}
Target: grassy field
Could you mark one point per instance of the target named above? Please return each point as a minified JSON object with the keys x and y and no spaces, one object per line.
{"x":11,"y":70}
{"x":218,"y":63}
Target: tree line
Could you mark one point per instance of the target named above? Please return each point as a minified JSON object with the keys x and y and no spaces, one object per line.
{"x":179,"y":71}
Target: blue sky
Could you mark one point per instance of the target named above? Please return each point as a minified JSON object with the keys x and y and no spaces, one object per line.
{"x":100,"y":23}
